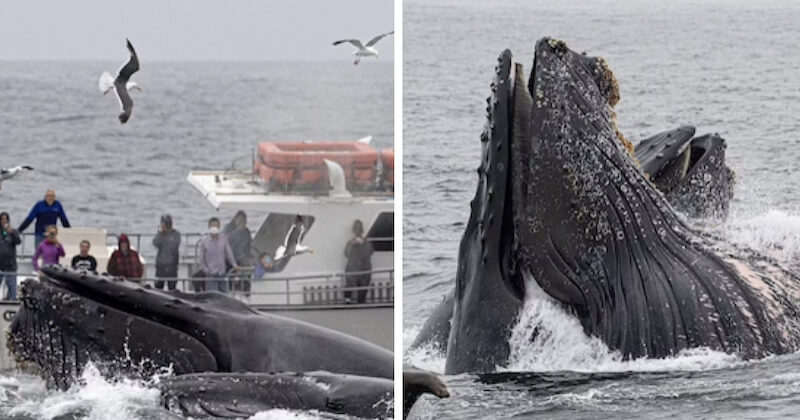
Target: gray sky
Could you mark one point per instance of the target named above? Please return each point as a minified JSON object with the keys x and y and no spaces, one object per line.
{"x":177,"y":30}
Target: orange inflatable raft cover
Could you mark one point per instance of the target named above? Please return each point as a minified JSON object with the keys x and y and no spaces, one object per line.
{"x":387,"y":158}
{"x":302,"y":164}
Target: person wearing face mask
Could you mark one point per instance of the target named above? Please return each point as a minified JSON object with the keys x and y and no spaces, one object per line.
{"x":49,"y":250}
{"x":214,"y":252}
{"x":9,"y":239}
{"x":46,"y":212}
{"x":124,"y":262}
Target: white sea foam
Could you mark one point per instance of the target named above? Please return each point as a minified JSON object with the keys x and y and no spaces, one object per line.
{"x":427,"y":356}
{"x":773,"y":232}
{"x":95,"y":398}
{"x":286,"y":415}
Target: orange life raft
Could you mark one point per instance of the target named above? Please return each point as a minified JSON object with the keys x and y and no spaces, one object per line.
{"x":387,"y":158}
{"x":301,"y":165}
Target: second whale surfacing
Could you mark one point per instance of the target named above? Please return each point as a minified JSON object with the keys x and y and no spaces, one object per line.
{"x":562,"y":201}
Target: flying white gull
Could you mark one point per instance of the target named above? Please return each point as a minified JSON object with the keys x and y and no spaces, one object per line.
{"x":9,"y":173}
{"x":121,"y":84}
{"x":364,"y":51}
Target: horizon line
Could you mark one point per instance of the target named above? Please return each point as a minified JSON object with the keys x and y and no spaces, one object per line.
{"x":192,"y":60}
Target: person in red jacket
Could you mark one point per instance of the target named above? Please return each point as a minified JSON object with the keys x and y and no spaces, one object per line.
{"x":124,"y":262}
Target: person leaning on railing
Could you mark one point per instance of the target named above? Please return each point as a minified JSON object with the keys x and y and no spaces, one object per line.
{"x":9,"y":239}
{"x":46,"y":212}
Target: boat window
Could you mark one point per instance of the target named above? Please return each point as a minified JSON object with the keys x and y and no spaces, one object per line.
{"x":381,"y":234}
{"x":273,"y":233}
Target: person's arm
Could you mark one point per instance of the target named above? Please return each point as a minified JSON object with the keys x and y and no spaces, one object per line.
{"x":248,"y":250}
{"x":61,"y":252}
{"x":31,"y":216}
{"x":74,"y":261}
{"x":63,"y":216}
{"x":229,"y":255}
{"x":111,"y":268}
{"x":15,"y":239}
{"x":158,"y":240}
{"x":139,"y":267}
{"x":92,"y":263}
{"x":348,"y":249}
{"x":202,"y":256}
{"x":36,"y":256}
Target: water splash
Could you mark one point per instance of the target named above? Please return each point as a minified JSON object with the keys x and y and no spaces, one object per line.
{"x":561,"y":345}
{"x":427,"y":356}
{"x":93,"y":399}
{"x":280,"y":414}
{"x":773,"y":232}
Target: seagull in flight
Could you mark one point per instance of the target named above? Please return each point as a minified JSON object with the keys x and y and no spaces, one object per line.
{"x":121,"y":84}
{"x":364,"y":51}
{"x":9,"y":173}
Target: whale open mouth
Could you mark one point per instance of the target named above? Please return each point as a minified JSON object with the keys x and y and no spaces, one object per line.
{"x":61,"y":325}
{"x":690,"y":171}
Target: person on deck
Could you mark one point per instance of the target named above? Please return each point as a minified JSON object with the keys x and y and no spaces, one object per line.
{"x":124,"y":262}
{"x":49,"y":250}
{"x":359,"y":260}
{"x":214,"y":252}
{"x":46,"y":212}
{"x":240,"y":239}
{"x":84,"y":261}
{"x":168,"y":243}
{"x":9,"y":239}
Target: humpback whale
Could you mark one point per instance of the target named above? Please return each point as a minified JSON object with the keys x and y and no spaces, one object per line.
{"x":561,"y":201}
{"x":71,"y":317}
{"x":690,"y":171}
{"x":242,"y":395}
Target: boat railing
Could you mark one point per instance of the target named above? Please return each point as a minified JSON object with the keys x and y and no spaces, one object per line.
{"x":320,"y":289}
{"x":189,"y":243}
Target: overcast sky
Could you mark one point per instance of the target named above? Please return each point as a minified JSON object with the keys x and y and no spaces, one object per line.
{"x":177,"y":30}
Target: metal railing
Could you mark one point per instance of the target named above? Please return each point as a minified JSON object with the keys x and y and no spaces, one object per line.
{"x":319,"y":289}
{"x":189,"y":243}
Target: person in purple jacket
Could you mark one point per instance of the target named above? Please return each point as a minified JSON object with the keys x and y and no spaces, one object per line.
{"x":50,"y":250}
{"x":46,"y":212}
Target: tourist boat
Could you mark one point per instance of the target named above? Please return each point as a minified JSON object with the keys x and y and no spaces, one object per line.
{"x":328,"y":185}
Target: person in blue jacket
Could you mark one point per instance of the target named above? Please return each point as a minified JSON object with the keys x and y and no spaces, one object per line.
{"x":46,"y":212}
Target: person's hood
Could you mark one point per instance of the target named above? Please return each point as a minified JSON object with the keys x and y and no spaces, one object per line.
{"x":124,"y":239}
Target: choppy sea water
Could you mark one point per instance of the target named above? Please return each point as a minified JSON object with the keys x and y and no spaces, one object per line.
{"x":188,"y":116}
{"x":722,"y":66}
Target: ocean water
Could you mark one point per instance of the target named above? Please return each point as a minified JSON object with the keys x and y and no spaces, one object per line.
{"x":123,"y":177}
{"x":188,"y":116}
{"x":723,"y":66}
